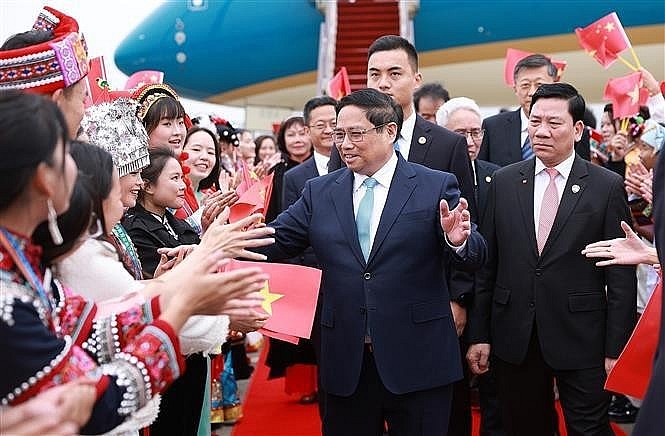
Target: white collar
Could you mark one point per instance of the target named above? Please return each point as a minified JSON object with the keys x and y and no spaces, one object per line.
{"x":320,"y":160}
{"x":563,"y":168}
{"x":524,"y":120}
{"x":407,"y":127}
{"x":384,"y":175}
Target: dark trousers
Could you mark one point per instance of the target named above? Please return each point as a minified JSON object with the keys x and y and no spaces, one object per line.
{"x":490,"y":411}
{"x":460,"y":410}
{"x":527,"y":397}
{"x":367,"y":411}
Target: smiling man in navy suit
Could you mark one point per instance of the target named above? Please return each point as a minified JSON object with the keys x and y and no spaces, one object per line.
{"x":380,"y":229}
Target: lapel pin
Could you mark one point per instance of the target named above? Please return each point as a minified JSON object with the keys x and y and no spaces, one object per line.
{"x":488,"y":179}
{"x":422,"y":140}
{"x":524,"y":181}
{"x":575,"y":189}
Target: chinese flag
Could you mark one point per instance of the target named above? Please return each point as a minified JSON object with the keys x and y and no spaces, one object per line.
{"x":604,"y":39}
{"x":632,"y":372}
{"x":513,"y":56}
{"x":144,"y":77}
{"x":248,"y":178}
{"x":626,"y":94}
{"x":290,"y":297}
{"x":255,"y":199}
{"x":339,"y":86}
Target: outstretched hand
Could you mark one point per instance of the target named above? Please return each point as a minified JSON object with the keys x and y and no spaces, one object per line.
{"x":621,"y":251}
{"x":456,"y":223}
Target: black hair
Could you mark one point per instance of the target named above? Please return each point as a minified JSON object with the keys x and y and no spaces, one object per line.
{"x":213,"y":177}
{"x":96,"y":165}
{"x":281,"y":135}
{"x":378,"y":107}
{"x":562,"y":91}
{"x":394,"y":42}
{"x":73,"y":224}
{"x":258,"y":141}
{"x":165,"y":107}
{"x":314,"y":103}
{"x":26,"y":39}
{"x":589,"y":118}
{"x":158,"y":158}
{"x":30,"y":128}
{"x":432,"y":90}
{"x":643,"y":112}
{"x":535,"y":61}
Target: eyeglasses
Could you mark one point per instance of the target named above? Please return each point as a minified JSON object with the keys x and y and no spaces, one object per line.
{"x":355,"y":135}
{"x":322,"y":125}
{"x":476,"y":134}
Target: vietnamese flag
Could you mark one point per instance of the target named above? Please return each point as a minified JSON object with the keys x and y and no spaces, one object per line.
{"x":145,"y":77}
{"x":255,"y":199}
{"x":604,"y":39}
{"x":339,"y":86}
{"x":290,"y":297}
{"x":626,"y":94}
{"x":632,"y":372}
{"x":513,"y":56}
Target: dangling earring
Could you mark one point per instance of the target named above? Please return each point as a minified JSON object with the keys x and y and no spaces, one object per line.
{"x":53,"y":224}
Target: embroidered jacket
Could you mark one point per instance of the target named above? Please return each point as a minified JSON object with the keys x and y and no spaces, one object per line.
{"x":49,"y":340}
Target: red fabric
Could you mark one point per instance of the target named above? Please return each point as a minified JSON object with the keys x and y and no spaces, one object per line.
{"x":293,"y":313}
{"x":300,"y":379}
{"x":99,"y":90}
{"x":632,"y":372}
{"x":282,"y":337}
{"x":255,"y":199}
{"x":604,"y":39}
{"x":513,"y":56}
{"x":339,"y":86}
{"x":248,"y":178}
{"x":626,"y":94}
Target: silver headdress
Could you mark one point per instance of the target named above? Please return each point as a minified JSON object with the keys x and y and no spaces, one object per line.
{"x":115,"y":127}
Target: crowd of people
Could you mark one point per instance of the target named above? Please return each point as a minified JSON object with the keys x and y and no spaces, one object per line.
{"x":509,"y":256}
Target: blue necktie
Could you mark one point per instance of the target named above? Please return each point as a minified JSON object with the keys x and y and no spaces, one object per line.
{"x":527,"y":152}
{"x":364,"y":215}
{"x":396,"y":143}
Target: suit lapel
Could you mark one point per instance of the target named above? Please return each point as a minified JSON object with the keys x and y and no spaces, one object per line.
{"x":524,"y":189}
{"x":514,"y":133}
{"x":569,"y":200}
{"x":342,"y":198}
{"x":401,"y":188}
{"x":418,"y":151}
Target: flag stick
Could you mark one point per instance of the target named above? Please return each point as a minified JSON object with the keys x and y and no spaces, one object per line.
{"x":637,"y":61}
{"x":628,"y":64}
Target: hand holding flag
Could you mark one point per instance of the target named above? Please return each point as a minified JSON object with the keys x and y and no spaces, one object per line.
{"x":605,"y":40}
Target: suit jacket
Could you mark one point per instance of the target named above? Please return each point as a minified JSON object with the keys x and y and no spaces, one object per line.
{"x":582,"y":313}
{"x":484,"y":173}
{"x":400,"y":293}
{"x":651,"y":419}
{"x":502,"y":143}
{"x":148,"y":235}
{"x":294,"y":182}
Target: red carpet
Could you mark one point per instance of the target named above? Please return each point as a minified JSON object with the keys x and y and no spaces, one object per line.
{"x":269,"y":411}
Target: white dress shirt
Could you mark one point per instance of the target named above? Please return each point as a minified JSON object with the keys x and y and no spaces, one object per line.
{"x":406,"y":134}
{"x":542,"y":179}
{"x":321,"y":162}
{"x":524,"y":130}
{"x":383,"y":176}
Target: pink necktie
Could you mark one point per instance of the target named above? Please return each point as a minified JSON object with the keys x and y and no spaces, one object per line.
{"x":548,"y":209}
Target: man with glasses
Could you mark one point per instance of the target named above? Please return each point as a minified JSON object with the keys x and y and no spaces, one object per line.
{"x":462,"y":115}
{"x":381,"y":229}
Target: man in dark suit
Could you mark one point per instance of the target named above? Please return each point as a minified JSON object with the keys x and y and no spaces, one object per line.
{"x":462,"y":115}
{"x":380,"y":229}
{"x":506,"y":140}
{"x":546,"y":310}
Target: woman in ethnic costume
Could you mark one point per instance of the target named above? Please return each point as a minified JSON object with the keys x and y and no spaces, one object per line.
{"x":47,"y":334}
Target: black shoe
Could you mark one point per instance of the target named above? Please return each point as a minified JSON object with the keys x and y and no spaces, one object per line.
{"x":625,"y":415}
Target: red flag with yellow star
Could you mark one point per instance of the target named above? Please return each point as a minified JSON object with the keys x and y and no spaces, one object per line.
{"x":604,"y":39}
{"x":255,"y":199}
{"x":290,"y":297}
{"x":248,"y":178}
{"x":339,"y":86}
{"x":626,"y":94}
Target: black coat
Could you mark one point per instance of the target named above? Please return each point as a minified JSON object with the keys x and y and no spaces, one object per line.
{"x":484,"y":173}
{"x":148,"y":235}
